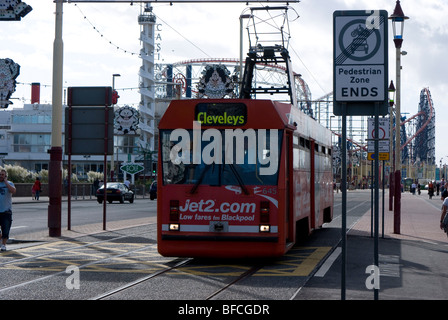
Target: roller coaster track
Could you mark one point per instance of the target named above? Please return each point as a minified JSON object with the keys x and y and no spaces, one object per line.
{"x":421,"y":113}
{"x":266,"y":74}
{"x":412,"y":127}
{"x":419,"y":127}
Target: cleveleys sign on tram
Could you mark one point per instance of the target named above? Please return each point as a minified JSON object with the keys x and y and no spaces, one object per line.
{"x":360,"y":61}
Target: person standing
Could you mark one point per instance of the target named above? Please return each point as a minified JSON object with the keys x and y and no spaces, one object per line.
{"x":37,"y":186}
{"x":444,"y":211}
{"x":7,"y":189}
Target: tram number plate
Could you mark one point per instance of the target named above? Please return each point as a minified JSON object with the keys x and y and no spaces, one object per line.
{"x":218,"y":226}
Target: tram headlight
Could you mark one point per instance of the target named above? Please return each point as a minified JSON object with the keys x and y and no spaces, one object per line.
{"x":265,"y":228}
{"x":174,"y":227}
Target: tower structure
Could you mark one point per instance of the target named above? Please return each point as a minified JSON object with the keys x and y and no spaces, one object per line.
{"x":147,"y":22}
{"x":424,"y":148}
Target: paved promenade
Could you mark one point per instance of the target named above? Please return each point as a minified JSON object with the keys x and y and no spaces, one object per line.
{"x":420,"y":219}
{"x":412,"y":264}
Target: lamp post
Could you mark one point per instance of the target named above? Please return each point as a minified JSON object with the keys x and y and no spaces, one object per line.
{"x":54,"y":172}
{"x":398,"y":19}
{"x":112,"y":165}
{"x":391,"y":91}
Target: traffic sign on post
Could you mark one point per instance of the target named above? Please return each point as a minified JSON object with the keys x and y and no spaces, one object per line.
{"x":360,"y":83}
{"x":132,"y":168}
{"x":383,"y":139}
{"x":383,"y":124}
{"x":360,"y":61}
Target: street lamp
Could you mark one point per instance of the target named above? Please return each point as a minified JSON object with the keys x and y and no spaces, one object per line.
{"x":113,"y":138}
{"x":54,"y":172}
{"x":391,"y":91}
{"x":398,"y":19}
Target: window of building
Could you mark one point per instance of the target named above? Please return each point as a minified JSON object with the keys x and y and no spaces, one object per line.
{"x":28,"y":142}
{"x":35,"y":118}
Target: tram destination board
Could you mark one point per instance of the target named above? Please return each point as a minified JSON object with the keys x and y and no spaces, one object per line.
{"x":360,"y":75}
{"x":221,"y":114}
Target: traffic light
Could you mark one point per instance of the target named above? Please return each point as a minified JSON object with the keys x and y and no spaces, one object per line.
{"x":115,"y":97}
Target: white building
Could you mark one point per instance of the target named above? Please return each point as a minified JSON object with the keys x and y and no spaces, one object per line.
{"x":25,"y":138}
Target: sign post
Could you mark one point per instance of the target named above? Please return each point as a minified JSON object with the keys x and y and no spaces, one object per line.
{"x":88,"y":130}
{"x":360,"y":87}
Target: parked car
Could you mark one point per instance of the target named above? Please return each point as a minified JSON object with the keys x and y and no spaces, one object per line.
{"x":153,"y":191}
{"x":115,"y":192}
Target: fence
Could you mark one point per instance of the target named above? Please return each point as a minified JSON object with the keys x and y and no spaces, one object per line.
{"x":79,"y":191}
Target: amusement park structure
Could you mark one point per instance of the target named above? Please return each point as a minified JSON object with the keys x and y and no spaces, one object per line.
{"x":417,"y":131}
{"x":268,"y":60}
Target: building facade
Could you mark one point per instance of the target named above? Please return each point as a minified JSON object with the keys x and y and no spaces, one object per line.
{"x":25,"y":138}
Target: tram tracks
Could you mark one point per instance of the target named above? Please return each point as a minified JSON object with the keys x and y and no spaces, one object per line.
{"x":53,"y":256}
{"x":248,"y":273}
{"x":164,"y":267}
{"x":40,"y":255}
{"x":91,"y":244}
{"x":126,"y":266}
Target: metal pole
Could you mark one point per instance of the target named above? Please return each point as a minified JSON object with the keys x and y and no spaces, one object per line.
{"x":375,"y":247}
{"x":112,"y":165}
{"x":240,"y":80}
{"x":397,"y":202}
{"x":391,"y":161}
{"x":382,"y":220}
{"x":69,"y":171}
{"x":344,"y":199}
{"x":106,"y":143}
{"x":55,"y":181}
{"x":372,"y":203}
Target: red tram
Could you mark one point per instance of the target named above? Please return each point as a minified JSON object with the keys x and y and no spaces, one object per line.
{"x":240,"y":178}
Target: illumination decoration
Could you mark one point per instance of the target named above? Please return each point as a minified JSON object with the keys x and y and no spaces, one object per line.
{"x":13,"y":10}
{"x":9,"y":70}
{"x":216,"y":82}
{"x":126,"y":121}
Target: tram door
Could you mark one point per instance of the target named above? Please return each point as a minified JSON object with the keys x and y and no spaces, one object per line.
{"x":312,"y":185}
{"x":289,"y":234}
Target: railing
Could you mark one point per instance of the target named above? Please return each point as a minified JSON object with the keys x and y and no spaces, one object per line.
{"x":79,"y":191}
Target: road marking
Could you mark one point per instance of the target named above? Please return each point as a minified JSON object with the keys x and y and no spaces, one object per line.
{"x":18,"y":227}
{"x":389,"y":265}
{"x":328,"y":263}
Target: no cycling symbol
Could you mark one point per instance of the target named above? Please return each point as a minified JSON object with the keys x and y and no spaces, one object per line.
{"x":381,"y":134}
{"x":360,"y":39}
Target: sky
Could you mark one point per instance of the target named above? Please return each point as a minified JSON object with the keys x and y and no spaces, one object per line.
{"x":102,"y":39}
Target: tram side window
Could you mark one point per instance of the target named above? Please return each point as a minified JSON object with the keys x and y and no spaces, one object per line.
{"x":301,"y":154}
